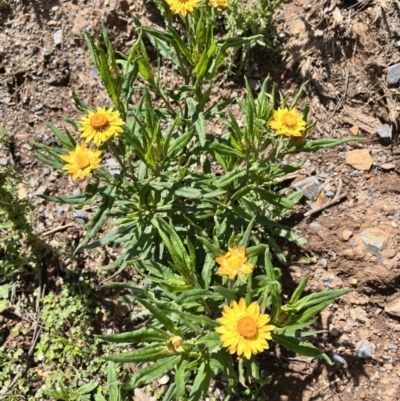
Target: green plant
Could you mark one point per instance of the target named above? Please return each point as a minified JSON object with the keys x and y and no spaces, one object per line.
{"x":184,"y":198}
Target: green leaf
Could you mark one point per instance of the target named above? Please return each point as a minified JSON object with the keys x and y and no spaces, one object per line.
{"x":180,"y":377}
{"x":298,"y":291}
{"x":197,"y":119}
{"x":112,"y":383}
{"x":147,"y":354}
{"x":160,"y":316}
{"x":100,"y":217}
{"x":201,"y":383}
{"x":229,"y":177}
{"x":195,"y":296}
{"x":211,"y":340}
{"x":87,"y":388}
{"x":152,"y":372}
{"x":312,"y":146}
{"x":300,"y":347}
{"x":142,"y":335}
{"x":66,"y":139}
{"x":246,"y":237}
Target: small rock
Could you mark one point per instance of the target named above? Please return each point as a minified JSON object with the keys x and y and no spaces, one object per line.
{"x":82,"y":215}
{"x":358,"y":314}
{"x":354,"y":130}
{"x":79,"y":63}
{"x":315,"y":226}
{"x":378,"y":311}
{"x":254,"y":85}
{"x":94,"y":72}
{"x":164,"y":380}
{"x":388,"y":166}
{"x":385,"y":132}
{"x":393,"y":308}
{"x":393,"y":74}
{"x":323,"y":263}
{"x":364,"y":349}
{"x":353,"y":282}
{"x":392,"y":346}
{"x":309,"y":187}
{"x":346,"y":234}
{"x":58,"y":37}
{"x":41,"y":190}
{"x":3,"y":161}
{"x":363,"y":394}
{"x":334,"y":331}
{"x":348,"y":253}
{"x":337,"y":358}
{"x":52,"y":80}
{"x":359,"y":159}
{"x":329,"y":194}
{"x":375,"y":240}
{"x":355,"y":173}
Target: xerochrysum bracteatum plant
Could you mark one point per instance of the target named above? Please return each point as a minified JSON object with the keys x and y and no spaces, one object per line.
{"x":195,"y":213}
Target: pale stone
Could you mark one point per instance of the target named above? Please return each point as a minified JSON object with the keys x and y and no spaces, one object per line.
{"x":359,"y":159}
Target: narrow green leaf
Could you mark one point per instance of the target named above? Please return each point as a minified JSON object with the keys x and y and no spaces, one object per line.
{"x":142,"y":335}
{"x":201,"y":383}
{"x":147,"y":354}
{"x":152,"y":372}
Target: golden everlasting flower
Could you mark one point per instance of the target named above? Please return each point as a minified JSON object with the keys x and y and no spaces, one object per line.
{"x":219,"y":3}
{"x":182,"y":6}
{"x":81,"y":161}
{"x":101,"y":125}
{"x":244,"y":329}
{"x":287,"y":122}
{"x":234,"y":263}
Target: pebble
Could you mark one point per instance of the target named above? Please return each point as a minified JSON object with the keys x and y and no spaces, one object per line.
{"x":346,"y":234}
{"x":358,"y":314}
{"x":359,"y":159}
{"x":3,"y":161}
{"x":355,"y":173}
{"x":375,"y":239}
{"x":378,"y":311}
{"x":393,"y":74}
{"x":309,"y":187}
{"x":164,"y":380}
{"x":393,"y":308}
{"x":337,"y":358}
{"x":82,"y":215}
{"x":58,"y":37}
{"x":323,"y":262}
{"x":365,"y":349}
{"x":388,"y":166}
{"x":52,"y":80}
{"x":94,"y":72}
{"x":384,"y":131}
{"x":329,"y":194}
{"x":392,"y":346}
{"x":348,"y":253}
{"x":79,"y":63}
{"x":254,"y":85}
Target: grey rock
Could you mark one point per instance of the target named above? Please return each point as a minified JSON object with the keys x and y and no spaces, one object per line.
{"x":3,"y":161}
{"x":355,"y":173}
{"x":393,"y":74}
{"x":323,"y":175}
{"x":364,"y":349}
{"x":392,"y":346}
{"x":79,"y":63}
{"x":337,"y":358}
{"x":309,"y":187}
{"x":115,"y":171}
{"x":52,"y":80}
{"x":254,"y":85}
{"x":94,"y":72}
{"x":375,"y":240}
{"x":384,"y":131}
{"x":323,"y":262}
{"x":325,"y":278}
{"x":329,"y":194}
{"x":58,"y":37}
{"x":393,"y":308}
{"x":33,"y":182}
{"x":315,"y":226}
{"x":81,"y":215}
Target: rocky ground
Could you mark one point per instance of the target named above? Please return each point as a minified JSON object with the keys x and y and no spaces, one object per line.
{"x":350,"y":53}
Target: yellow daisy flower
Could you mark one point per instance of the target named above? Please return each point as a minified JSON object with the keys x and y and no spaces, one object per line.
{"x":219,"y":3}
{"x":244,"y":329}
{"x":101,"y":125}
{"x":182,"y":6}
{"x":287,"y":122}
{"x":234,"y":263}
{"x":81,"y":161}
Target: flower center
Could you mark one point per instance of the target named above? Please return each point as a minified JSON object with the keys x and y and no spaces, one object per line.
{"x":98,"y":121}
{"x":289,"y":120}
{"x":247,"y":327}
{"x":235,"y":261}
{"x":82,"y":161}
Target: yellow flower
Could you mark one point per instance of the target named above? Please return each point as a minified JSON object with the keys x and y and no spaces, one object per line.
{"x":244,"y":330}
{"x":234,"y":263}
{"x":287,"y":122}
{"x":219,"y":3}
{"x":81,"y":161}
{"x":101,"y":125}
{"x":182,"y":6}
